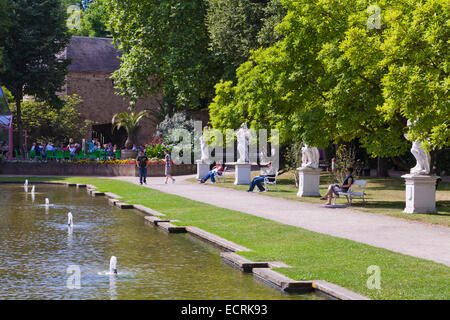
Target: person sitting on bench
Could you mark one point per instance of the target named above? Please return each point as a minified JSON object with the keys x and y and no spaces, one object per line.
{"x":217,"y":170}
{"x":259,"y":180}
{"x":336,"y":188}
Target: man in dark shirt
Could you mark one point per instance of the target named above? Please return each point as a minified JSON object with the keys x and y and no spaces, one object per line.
{"x":142,"y":164}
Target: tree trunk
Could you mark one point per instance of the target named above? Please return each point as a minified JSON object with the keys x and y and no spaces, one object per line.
{"x":19,"y":96}
{"x":382,"y":171}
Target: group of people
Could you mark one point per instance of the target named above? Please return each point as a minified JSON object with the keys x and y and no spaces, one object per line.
{"x":270,"y":172}
{"x":42,"y":149}
{"x":258,"y":181}
{"x":142,"y":162}
{"x":4,"y":150}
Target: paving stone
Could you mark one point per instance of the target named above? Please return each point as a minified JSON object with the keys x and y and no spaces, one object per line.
{"x":216,"y":240}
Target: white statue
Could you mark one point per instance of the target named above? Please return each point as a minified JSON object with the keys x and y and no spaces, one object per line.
{"x":423,"y":158}
{"x":310,"y":157}
{"x":204,"y":147}
{"x":244,"y":136}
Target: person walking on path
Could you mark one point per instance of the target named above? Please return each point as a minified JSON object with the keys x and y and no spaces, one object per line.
{"x":168,"y":171}
{"x":142,"y":164}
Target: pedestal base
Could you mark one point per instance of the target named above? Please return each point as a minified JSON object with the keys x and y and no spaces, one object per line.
{"x":243,"y":173}
{"x":309,"y":182}
{"x":202,"y":169}
{"x":420,"y":193}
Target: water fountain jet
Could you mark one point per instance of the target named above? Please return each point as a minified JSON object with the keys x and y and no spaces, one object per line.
{"x":70,"y":220}
{"x":113,"y":265}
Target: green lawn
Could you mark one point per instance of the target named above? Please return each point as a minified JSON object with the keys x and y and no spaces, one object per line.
{"x":384,"y":196}
{"x":312,"y":255}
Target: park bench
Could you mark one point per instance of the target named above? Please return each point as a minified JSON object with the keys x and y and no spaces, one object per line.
{"x":222,"y":177}
{"x":357,"y":190}
{"x":271,"y":181}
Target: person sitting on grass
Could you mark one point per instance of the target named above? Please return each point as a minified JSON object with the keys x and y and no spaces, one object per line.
{"x":217,"y":170}
{"x":336,"y":188}
{"x":258,"y":181}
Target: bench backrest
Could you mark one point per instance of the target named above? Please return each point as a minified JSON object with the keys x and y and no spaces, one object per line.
{"x":359,"y":184}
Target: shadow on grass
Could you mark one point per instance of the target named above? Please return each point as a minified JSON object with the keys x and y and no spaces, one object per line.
{"x":443,"y":207}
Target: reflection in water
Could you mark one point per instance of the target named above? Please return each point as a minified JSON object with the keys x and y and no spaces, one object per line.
{"x":36,"y":249}
{"x":112,"y":287}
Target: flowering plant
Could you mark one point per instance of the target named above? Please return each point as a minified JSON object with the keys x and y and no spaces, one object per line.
{"x":155,"y":149}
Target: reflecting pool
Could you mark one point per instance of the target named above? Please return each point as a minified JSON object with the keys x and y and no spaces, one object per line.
{"x":42,"y":258}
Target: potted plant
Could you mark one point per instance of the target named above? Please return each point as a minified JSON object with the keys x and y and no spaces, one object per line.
{"x":130,"y":122}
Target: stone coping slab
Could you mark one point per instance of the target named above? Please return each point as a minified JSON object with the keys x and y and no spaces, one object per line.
{"x":216,"y":240}
{"x":123,"y":205}
{"x":97,"y":193}
{"x":336,"y":291}
{"x":148,"y":211}
{"x":112,"y":201}
{"x":112,"y":195}
{"x":242,"y":263}
{"x":81,"y":186}
{"x":170,"y":228}
{"x":279,"y":280}
{"x":155,"y":220}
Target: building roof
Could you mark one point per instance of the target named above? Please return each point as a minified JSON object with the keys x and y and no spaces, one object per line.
{"x":92,"y":55}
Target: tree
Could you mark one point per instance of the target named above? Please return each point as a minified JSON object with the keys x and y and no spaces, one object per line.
{"x":4,"y":23}
{"x":326,"y":80}
{"x":237,"y":27}
{"x":46,"y":123}
{"x":130,"y":122}
{"x":36,"y":36}
{"x":165,"y":47}
{"x":93,"y":18}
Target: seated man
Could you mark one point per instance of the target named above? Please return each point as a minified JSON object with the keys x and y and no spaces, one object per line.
{"x":258,"y":181}
{"x":217,"y":170}
{"x":336,"y":188}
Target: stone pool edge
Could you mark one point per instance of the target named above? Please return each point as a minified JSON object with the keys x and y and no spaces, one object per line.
{"x":261,"y":270}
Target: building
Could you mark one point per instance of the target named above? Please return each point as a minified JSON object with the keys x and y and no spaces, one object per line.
{"x":89,"y":76}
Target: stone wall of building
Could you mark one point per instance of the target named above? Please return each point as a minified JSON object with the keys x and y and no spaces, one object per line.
{"x":100,"y":102}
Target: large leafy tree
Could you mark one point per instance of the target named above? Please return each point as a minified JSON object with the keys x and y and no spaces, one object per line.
{"x":239,"y":26}
{"x":37,"y":34}
{"x":4,"y":22}
{"x":331,"y":77}
{"x":165,"y":47}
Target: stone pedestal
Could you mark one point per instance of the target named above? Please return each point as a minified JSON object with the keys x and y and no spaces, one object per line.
{"x":309,"y":182}
{"x":420,"y":193}
{"x":202,"y":169}
{"x":243,"y":173}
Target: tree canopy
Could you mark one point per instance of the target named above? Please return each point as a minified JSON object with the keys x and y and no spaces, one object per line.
{"x":165,"y":47}
{"x":334,"y":77}
{"x":36,"y":35}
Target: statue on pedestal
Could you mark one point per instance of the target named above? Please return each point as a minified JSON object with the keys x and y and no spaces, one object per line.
{"x":310,"y":157}
{"x":204,"y":148}
{"x":423,"y":158}
{"x":244,"y":136}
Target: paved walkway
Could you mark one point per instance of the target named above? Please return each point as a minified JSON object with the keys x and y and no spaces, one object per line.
{"x":408,"y":237}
